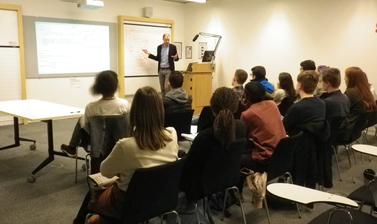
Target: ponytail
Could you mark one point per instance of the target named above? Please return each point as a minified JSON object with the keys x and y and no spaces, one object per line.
{"x":224,"y":127}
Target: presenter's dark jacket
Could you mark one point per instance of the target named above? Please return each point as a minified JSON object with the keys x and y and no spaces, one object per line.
{"x":172,"y":52}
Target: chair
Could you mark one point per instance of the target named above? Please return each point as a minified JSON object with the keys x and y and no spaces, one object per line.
{"x":350,"y":135}
{"x":336,"y":126}
{"x":366,"y":195}
{"x":206,"y":118}
{"x":181,"y":122}
{"x":152,"y":192}
{"x":104,"y":132}
{"x":342,"y":216}
{"x":371,"y":122}
{"x":220,"y":173}
{"x":280,"y":165}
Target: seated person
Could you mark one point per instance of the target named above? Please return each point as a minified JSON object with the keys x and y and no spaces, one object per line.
{"x":337,"y":103}
{"x":224,"y":130}
{"x":264,"y":126}
{"x":258,"y":74}
{"x":105,"y":84}
{"x":319,"y":90}
{"x":240,"y":77}
{"x":150,"y":145}
{"x":309,"y":116}
{"x":286,"y":94}
{"x":337,"y":108}
{"x":307,"y":65}
{"x":176,"y":100}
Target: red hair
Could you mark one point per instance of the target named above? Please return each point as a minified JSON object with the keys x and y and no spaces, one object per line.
{"x":359,"y":80}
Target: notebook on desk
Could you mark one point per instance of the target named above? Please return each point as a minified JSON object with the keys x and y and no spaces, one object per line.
{"x":101,"y":180}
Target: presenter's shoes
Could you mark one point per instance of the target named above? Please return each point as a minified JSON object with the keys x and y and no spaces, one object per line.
{"x":69,"y":150}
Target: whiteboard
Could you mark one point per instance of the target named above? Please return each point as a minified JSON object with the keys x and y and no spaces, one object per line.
{"x":10,"y":79}
{"x":72,"y":48}
{"x":9,"y":28}
{"x":136,"y":38}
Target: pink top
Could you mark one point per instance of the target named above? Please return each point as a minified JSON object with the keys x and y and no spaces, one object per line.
{"x":265,"y":128}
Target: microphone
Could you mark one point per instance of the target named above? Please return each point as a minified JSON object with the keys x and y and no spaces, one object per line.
{"x":196,"y":37}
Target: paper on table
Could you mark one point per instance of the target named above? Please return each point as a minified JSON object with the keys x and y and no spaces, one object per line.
{"x":101,"y":180}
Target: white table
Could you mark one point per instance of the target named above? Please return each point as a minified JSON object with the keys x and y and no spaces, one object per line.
{"x":366,"y":149}
{"x":306,"y":195}
{"x":37,"y":110}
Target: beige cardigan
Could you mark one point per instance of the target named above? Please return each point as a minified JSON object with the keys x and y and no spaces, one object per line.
{"x":126,"y":157}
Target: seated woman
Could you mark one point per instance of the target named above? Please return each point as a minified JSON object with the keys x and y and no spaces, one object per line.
{"x":361,"y":99}
{"x":105,"y":84}
{"x":264,"y":126}
{"x":150,"y":145}
{"x":286,"y":94}
{"x":224,"y":130}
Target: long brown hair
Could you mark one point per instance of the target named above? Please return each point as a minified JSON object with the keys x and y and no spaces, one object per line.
{"x":224,"y":103}
{"x":286,"y":83}
{"x":147,"y":119}
{"x":356,"y":78}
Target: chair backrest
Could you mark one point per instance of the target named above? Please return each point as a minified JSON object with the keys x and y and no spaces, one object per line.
{"x":206,"y":118}
{"x":180,"y":121}
{"x":222,"y":170}
{"x":152,"y":192}
{"x":372,"y":118}
{"x":105,"y":131}
{"x":337,"y":126}
{"x":283,"y":158}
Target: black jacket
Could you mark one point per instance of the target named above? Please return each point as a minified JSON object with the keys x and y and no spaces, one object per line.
{"x":172,"y":52}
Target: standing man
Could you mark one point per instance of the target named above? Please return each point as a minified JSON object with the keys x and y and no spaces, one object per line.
{"x":166,"y":55}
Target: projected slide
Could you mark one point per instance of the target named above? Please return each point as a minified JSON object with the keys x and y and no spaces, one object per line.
{"x":72,"y":48}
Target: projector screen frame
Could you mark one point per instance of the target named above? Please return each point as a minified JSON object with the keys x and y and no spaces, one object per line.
{"x":31,"y":53}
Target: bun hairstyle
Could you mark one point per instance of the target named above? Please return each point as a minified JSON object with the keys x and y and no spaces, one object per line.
{"x":224,"y":103}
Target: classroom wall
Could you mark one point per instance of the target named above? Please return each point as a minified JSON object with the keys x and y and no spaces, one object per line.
{"x":74,"y":91}
{"x":280,"y":34}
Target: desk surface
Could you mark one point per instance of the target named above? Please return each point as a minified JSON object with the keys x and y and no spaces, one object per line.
{"x":37,"y":110}
{"x":306,"y":195}
{"x":192,"y":135}
{"x":367,"y":149}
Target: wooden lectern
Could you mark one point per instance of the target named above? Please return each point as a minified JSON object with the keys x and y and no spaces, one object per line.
{"x":198,"y":84}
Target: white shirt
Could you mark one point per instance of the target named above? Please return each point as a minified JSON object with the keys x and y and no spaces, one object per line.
{"x":103,"y":107}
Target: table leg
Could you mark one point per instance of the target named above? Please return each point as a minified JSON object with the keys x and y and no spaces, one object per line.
{"x":17,"y":137}
{"x":51,"y":152}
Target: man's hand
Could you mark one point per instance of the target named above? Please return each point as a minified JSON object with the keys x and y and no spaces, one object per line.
{"x":146,"y":51}
{"x":175,"y":57}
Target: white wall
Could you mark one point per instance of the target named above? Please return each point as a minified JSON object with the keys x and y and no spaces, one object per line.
{"x":74,"y":91}
{"x":280,"y":34}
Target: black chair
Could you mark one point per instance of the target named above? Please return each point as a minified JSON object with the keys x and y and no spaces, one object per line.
{"x":336,"y":128}
{"x":180,"y":121}
{"x":281,"y":164}
{"x":152,"y":192}
{"x":371,"y":121}
{"x":206,"y":118}
{"x":351,"y":133}
{"x":366,"y":195}
{"x":221,"y":173}
{"x":342,"y":216}
{"x":104,"y":133}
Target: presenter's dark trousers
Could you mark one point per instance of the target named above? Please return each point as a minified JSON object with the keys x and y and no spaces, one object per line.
{"x":163,"y":75}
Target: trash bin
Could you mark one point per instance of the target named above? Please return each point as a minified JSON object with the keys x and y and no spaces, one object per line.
{"x":369,"y":175}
